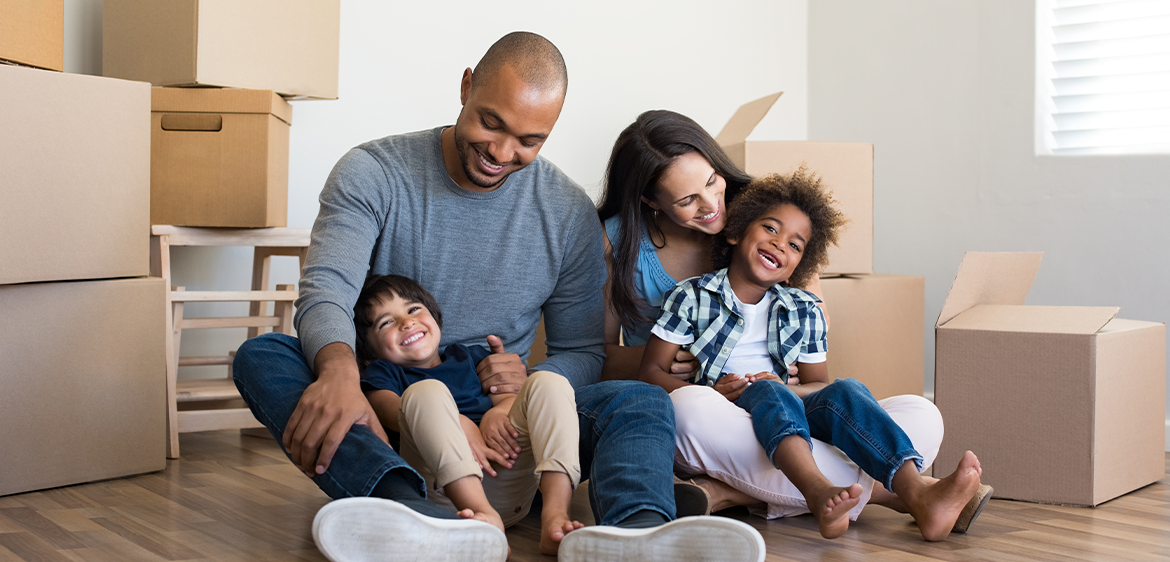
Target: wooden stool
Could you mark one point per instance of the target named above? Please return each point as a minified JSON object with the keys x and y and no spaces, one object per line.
{"x":267,"y":242}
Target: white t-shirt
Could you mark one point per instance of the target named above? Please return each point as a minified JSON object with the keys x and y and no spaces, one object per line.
{"x":750,"y":354}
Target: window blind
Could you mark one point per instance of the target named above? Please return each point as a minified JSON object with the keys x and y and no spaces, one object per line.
{"x":1107,"y":83}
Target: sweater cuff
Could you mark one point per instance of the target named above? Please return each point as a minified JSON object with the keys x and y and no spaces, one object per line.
{"x":321,"y":325}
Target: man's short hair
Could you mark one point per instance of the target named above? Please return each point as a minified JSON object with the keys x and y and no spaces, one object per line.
{"x":535,"y":59}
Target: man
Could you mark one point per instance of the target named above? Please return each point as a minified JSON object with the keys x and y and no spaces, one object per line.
{"x":498,"y":235}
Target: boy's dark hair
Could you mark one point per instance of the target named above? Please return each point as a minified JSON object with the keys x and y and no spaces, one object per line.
{"x":802,"y":189}
{"x":378,"y":287}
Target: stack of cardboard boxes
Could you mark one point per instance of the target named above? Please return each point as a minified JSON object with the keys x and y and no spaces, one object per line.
{"x":82,"y":331}
{"x":876,"y":318}
{"x":219,"y":124}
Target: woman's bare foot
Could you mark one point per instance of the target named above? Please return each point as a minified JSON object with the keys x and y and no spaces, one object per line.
{"x":936,"y":506}
{"x":553,"y":528}
{"x":722,"y":495}
{"x":831,"y":508}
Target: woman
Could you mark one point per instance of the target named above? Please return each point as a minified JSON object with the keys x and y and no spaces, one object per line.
{"x":664,"y":199}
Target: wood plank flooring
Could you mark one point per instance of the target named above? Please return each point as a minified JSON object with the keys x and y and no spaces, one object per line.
{"x":234,"y":497}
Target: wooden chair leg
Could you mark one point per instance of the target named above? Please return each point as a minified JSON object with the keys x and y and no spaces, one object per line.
{"x":261,"y":268}
{"x":284,"y":311}
{"x":174,"y":314}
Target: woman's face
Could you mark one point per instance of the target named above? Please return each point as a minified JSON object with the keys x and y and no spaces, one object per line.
{"x":690,"y":193}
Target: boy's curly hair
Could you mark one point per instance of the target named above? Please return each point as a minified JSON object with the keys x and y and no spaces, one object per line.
{"x":802,"y":189}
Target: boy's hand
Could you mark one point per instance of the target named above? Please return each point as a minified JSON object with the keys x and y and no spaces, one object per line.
{"x":731,"y":386}
{"x":684,"y":366}
{"x":501,"y":372}
{"x":762,"y":377}
{"x":484,"y":456}
{"x":499,"y":434}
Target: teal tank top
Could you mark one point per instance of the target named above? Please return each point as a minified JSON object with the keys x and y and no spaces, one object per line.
{"x":651,"y":282}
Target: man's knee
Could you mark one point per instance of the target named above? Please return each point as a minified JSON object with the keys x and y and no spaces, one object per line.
{"x":257,"y":355}
{"x":625,"y":398}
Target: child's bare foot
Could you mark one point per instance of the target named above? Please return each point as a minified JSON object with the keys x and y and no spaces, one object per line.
{"x":553,"y":528}
{"x":487,"y":516}
{"x":936,"y":506}
{"x":831,"y":508}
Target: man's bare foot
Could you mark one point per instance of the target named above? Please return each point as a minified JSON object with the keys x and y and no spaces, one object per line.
{"x":553,"y":528}
{"x":722,"y":495}
{"x":936,"y":506}
{"x":831,"y":508}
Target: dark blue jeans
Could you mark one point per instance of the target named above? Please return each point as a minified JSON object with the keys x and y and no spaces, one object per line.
{"x":843,"y":414}
{"x":627,"y":434}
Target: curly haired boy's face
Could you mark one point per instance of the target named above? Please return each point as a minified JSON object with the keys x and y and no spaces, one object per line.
{"x":690,"y":193}
{"x":771,"y":246}
{"x":403,"y":332}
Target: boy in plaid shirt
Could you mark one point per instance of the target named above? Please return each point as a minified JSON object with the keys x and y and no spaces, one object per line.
{"x":747,"y":323}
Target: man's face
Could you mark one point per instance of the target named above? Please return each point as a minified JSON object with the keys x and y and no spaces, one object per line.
{"x":502,"y":126}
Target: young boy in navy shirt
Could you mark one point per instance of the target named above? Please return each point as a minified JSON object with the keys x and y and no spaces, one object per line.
{"x":451,"y":431}
{"x":748,"y":321}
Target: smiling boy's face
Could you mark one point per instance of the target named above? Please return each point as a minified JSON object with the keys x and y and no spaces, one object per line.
{"x":771,"y":247}
{"x":404,"y":333}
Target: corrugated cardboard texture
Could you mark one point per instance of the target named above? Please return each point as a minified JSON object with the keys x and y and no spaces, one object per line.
{"x":85,"y":382}
{"x":32,"y":32}
{"x":1129,"y":430}
{"x":745,"y":120}
{"x":876,"y":331}
{"x":75,"y":193}
{"x":290,"y":46}
{"x":1063,"y":405}
{"x":990,"y":278}
{"x":233,"y":176}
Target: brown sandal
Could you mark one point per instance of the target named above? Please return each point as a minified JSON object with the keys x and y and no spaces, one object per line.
{"x":690,"y":498}
{"x":973,"y":508}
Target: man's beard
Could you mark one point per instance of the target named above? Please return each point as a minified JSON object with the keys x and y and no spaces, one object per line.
{"x":465,"y":153}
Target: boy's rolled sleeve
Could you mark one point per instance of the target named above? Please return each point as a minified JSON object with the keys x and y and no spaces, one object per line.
{"x":816,"y":341}
{"x":674,"y":323}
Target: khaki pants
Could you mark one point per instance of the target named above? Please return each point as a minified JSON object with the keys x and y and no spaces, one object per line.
{"x":545,"y":416}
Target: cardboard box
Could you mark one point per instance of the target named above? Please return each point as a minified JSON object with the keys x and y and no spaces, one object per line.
{"x":846,"y":168}
{"x":32,"y":32}
{"x":877,"y":332}
{"x":289,"y":46}
{"x":1063,"y":404}
{"x":219,"y":157}
{"x":84,"y":382}
{"x":75,"y":161}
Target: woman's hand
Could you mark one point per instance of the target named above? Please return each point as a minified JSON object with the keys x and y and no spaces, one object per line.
{"x":731,"y":386}
{"x":498,"y":433}
{"x":484,"y":456}
{"x":684,"y":365}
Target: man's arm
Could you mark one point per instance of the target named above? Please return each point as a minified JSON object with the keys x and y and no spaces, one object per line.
{"x":339,"y":252}
{"x":574,"y":315}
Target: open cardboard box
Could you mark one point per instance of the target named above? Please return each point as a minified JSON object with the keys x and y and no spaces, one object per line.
{"x":287,"y":46}
{"x":845,"y":168}
{"x":1062,"y":404}
{"x":32,"y":32}
{"x":219,"y":157}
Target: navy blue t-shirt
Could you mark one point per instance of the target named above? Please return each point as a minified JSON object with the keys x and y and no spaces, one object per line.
{"x":457,"y":371}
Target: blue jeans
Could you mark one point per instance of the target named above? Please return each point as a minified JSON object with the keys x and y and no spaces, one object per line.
{"x":843,"y":414}
{"x":627,"y":434}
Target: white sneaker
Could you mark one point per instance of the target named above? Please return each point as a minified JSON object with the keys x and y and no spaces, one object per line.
{"x":683,"y":540}
{"x":374,"y":529}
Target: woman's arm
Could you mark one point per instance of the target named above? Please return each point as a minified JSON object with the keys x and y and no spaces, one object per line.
{"x":656,"y":361}
{"x":386,"y":404}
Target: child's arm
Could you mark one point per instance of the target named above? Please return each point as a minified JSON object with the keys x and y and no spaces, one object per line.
{"x":813,"y":377}
{"x":656,"y":362}
{"x":483,"y":454}
{"x":386,"y":404}
{"x":497,"y":431}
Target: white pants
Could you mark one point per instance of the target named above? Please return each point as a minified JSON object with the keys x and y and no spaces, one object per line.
{"x":714,"y":437}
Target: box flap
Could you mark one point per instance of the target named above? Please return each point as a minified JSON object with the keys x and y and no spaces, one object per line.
{"x":745,"y":119}
{"x":219,"y":100}
{"x":990,"y":278}
{"x":1082,"y":320}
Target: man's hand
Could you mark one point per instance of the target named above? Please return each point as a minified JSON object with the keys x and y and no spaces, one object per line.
{"x":499,"y":434}
{"x":731,"y":386}
{"x":327,"y":410}
{"x":482,"y":453}
{"x":501,"y":372}
{"x":684,"y":365}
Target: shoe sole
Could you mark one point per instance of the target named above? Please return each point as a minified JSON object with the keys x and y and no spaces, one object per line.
{"x":973,"y":508}
{"x":374,"y":529}
{"x":690,"y":539}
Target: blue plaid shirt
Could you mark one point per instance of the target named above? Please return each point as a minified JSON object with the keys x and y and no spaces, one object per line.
{"x":704,"y":308}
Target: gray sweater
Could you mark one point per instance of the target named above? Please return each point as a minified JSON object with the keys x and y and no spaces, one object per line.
{"x":494,"y":261}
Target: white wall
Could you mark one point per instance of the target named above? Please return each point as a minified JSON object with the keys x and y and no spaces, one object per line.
{"x":401,"y":63}
{"x":944,"y":90}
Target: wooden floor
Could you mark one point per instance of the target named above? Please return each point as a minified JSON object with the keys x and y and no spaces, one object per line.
{"x":233,"y":497}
